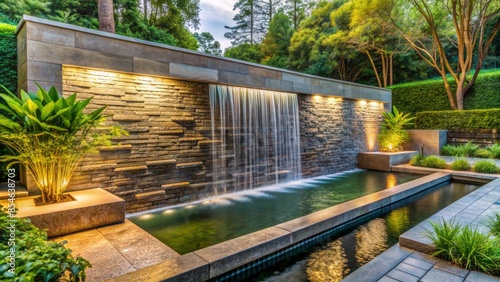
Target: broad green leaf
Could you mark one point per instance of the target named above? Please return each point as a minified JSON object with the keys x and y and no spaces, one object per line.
{"x":57,"y":114}
{"x":47,"y":110}
{"x":56,"y":127}
{"x":44,"y":94}
{"x":25,"y":96}
{"x":53,"y":94}
{"x":71,"y":99}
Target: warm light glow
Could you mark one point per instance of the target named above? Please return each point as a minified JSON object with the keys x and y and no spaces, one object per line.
{"x":375,"y":104}
{"x":371,"y":137}
{"x":391,"y":181}
{"x":317,"y":97}
{"x":169,"y":211}
{"x":390,"y":147}
{"x":190,"y":207}
{"x":362,"y":102}
{"x":146,"y":216}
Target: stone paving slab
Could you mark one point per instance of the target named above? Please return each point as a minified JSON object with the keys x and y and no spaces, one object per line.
{"x":116,"y":250}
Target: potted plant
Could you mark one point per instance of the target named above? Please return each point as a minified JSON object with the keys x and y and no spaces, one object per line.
{"x":392,"y":135}
{"x":49,"y":134}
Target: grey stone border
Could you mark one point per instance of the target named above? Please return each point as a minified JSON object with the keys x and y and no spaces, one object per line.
{"x":215,"y":260}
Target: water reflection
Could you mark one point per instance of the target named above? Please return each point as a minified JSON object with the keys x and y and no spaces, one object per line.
{"x":371,"y":240}
{"x":391,"y":180}
{"x":329,"y":264}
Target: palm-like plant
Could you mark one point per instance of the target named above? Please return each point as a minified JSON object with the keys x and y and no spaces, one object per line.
{"x":393,"y":135}
{"x":49,"y":134}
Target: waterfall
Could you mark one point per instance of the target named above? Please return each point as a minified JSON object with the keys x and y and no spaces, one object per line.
{"x":256,"y":138}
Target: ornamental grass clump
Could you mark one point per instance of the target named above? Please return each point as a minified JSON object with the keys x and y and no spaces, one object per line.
{"x":464,"y":150}
{"x":433,"y":162}
{"x":50,"y":134}
{"x":465,"y":246}
{"x":392,"y":136}
{"x":485,"y":166}
{"x":460,"y":164}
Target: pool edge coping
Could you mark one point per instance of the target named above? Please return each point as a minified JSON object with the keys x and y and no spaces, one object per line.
{"x":212,"y":261}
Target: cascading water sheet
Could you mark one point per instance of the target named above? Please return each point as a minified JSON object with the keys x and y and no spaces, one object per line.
{"x":259,"y":139}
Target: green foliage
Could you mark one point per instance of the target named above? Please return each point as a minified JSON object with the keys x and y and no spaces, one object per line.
{"x":468,"y":119}
{"x":392,"y":136}
{"x":415,"y":160}
{"x":245,"y":52}
{"x":433,"y":162}
{"x":8,"y":55}
{"x":430,"y":95}
{"x":36,"y":258}
{"x":464,"y":150}
{"x":460,"y":164}
{"x":49,"y":134}
{"x":275,"y":45}
{"x":208,"y":44}
{"x":485,"y":166}
{"x":482,"y":153}
{"x":493,"y":223}
{"x":494,"y":151}
{"x":443,"y":236}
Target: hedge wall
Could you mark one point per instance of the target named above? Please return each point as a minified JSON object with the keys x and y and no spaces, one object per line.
{"x":467,"y":119}
{"x":8,"y":57}
{"x":430,"y":95}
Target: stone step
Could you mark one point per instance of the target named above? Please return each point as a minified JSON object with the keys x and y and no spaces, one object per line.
{"x":131,"y":168}
{"x":209,"y":142}
{"x":151,"y":194}
{"x":21,"y":191}
{"x":183,"y":119}
{"x":127,"y":147}
{"x":161,"y":162}
{"x":279,"y":172}
{"x":175,"y":185}
{"x":188,"y":165}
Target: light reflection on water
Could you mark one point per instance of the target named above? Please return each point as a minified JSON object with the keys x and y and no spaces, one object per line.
{"x":336,"y":259}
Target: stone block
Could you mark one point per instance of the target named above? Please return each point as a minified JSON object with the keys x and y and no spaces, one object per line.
{"x":50,"y":34}
{"x":195,"y":60}
{"x":225,"y":65}
{"x":131,"y":168}
{"x":431,"y":141}
{"x":130,"y":118}
{"x":300,"y":78}
{"x":383,"y":161}
{"x":92,"y":208}
{"x":239,"y":251}
{"x":40,"y":71}
{"x":152,"y":194}
{"x":265,"y":72}
{"x":193,"y":72}
{"x":45,"y":52}
{"x":113,"y":148}
{"x":175,"y":185}
{"x":161,"y":162}
{"x":189,"y":165}
{"x":152,"y":67}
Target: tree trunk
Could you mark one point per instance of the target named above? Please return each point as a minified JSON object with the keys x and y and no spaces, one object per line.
{"x":460,"y":97}
{"x":106,"y":15}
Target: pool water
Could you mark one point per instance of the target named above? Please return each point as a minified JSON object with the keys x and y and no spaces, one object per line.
{"x":335,"y":259}
{"x":192,"y":227}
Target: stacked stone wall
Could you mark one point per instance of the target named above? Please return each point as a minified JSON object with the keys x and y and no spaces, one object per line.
{"x":167,"y":158}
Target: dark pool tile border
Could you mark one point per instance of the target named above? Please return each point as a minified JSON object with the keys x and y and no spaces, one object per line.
{"x":213,"y":261}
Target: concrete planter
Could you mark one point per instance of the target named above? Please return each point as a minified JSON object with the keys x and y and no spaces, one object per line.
{"x":430,"y":141}
{"x":92,"y":208}
{"x":383,"y":161}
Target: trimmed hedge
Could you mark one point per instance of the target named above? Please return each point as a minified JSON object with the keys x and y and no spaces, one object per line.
{"x":471,"y":119}
{"x":8,"y":56}
{"x":430,"y":95}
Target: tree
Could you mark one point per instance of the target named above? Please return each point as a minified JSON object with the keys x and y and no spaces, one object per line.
{"x":312,"y":50}
{"x":298,"y":10}
{"x":208,"y":44}
{"x":246,"y":23}
{"x":427,"y":33}
{"x":106,"y":15}
{"x":246,"y":52}
{"x":274,"y":47}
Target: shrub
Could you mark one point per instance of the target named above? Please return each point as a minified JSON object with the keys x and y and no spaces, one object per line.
{"x":433,"y":162}
{"x":493,"y":223}
{"x":460,"y":164}
{"x":483,"y":153}
{"x":415,"y":160}
{"x":469,"y":119}
{"x":8,"y":56}
{"x":484,"y":166}
{"x":494,"y":151}
{"x":392,"y":136}
{"x":430,"y":95}
{"x":465,"y":246}
{"x":464,"y":150}
{"x":36,"y":259}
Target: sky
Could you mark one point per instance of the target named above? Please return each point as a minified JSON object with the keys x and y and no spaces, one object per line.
{"x":214,"y":15}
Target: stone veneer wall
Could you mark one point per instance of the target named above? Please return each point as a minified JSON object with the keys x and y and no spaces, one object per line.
{"x":482,"y":137}
{"x":333,"y":132}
